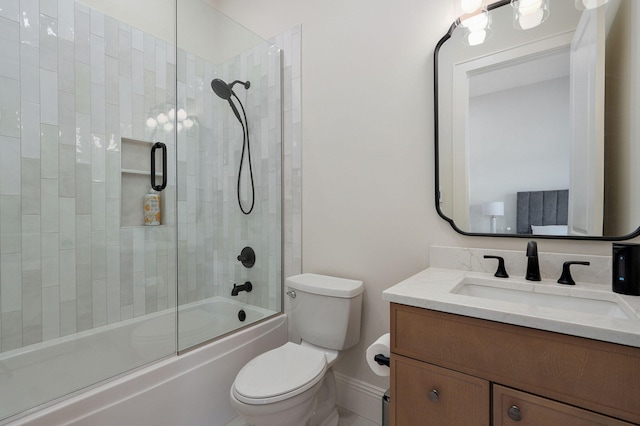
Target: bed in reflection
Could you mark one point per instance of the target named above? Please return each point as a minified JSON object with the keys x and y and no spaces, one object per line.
{"x":543,"y":212}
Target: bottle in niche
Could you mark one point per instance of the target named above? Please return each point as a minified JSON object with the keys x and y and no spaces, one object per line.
{"x":152,"y":208}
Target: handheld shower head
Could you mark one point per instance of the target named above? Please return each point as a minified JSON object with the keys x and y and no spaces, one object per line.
{"x":225,"y":91}
{"x":222,"y":89}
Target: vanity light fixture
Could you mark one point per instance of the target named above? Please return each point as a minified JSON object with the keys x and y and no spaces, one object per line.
{"x":475,"y":19}
{"x":493,"y":209}
{"x":529,"y":14}
{"x":477,"y":27}
{"x":166,"y":121}
{"x":590,"y":4}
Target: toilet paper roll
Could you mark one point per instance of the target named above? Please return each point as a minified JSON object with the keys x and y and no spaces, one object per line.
{"x":380,"y":346}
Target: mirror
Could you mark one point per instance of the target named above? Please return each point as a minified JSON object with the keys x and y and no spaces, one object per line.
{"x":537,"y":130}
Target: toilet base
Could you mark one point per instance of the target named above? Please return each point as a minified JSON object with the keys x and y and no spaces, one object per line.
{"x":326,"y":413}
{"x":315,"y":408}
{"x":293,"y":412}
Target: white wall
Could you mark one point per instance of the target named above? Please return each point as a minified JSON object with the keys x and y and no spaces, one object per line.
{"x":524,"y":133}
{"x":367,"y":139}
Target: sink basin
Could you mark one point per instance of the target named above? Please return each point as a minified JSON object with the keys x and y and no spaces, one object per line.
{"x":588,"y":302}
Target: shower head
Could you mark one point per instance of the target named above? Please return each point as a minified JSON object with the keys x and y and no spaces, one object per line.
{"x":225,"y":91}
{"x":222,"y":89}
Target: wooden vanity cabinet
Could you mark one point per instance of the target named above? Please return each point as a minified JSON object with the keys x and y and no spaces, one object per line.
{"x":481,"y":369}
{"x":517,"y":408}
{"x":432,"y":395}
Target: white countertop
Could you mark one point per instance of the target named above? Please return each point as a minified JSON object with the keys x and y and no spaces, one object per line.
{"x":432,"y":289}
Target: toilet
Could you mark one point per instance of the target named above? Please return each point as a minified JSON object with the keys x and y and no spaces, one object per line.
{"x":293,"y":385}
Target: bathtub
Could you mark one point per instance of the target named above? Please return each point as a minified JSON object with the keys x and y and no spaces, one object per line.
{"x":189,"y":389}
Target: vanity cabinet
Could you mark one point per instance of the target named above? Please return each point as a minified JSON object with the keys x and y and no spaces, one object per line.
{"x":517,"y":408}
{"x":433,"y":395}
{"x":485,"y":372}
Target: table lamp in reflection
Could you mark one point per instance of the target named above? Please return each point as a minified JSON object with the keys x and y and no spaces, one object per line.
{"x":493,"y":209}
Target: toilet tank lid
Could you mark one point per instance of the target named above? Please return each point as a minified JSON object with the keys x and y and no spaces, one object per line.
{"x":325,"y":285}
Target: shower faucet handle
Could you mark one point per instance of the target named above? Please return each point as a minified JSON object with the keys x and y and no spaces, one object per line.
{"x":247,"y":257}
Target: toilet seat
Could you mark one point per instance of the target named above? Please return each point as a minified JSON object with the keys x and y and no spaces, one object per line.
{"x":279,"y":374}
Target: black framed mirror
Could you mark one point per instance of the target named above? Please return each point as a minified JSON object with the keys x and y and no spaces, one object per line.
{"x":538,"y":129}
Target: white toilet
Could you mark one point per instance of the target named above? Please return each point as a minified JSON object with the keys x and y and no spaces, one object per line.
{"x":293,"y":385}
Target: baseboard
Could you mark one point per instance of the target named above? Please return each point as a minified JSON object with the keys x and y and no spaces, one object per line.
{"x":359,"y":397}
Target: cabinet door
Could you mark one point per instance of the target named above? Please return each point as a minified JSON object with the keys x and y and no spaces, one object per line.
{"x":424,"y":394}
{"x":516,"y":408}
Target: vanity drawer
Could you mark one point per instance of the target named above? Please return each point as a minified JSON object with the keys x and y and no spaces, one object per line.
{"x":515,"y":408}
{"x":598,"y":376}
{"x":423,"y":394}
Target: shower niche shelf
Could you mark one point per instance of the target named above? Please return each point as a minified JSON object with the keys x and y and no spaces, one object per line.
{"x":135,"y":182}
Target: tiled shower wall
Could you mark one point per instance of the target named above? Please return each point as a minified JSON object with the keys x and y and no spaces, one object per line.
{"x":208,"y":248}
{"x":75,"y":81}
{"x":212,"y":230}
{"x":210,"y":192}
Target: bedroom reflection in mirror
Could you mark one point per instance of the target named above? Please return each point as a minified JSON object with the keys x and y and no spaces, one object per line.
{"x":542,"y":120}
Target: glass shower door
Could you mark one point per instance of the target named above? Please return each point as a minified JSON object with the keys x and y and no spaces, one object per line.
{"x":229,"y":175}
{"x":87,"y":291}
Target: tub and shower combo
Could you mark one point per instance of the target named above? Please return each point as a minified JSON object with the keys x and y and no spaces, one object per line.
{"x":132,"y":191}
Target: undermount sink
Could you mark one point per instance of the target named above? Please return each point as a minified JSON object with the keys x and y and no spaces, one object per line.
{"x":588,"y":302}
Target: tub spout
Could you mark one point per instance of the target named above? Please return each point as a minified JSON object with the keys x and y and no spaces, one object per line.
{"x":247,"y":286}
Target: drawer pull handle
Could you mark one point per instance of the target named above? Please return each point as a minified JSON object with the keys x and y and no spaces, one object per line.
{"x":433,"y":396}
{"x":514,"y":413}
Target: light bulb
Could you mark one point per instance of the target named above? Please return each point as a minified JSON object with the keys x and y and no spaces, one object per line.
{"x":529,"y":14}
{"x":172,"y":114}
{"x":477,"y":22}
{"x":168,"y":127}
{"x":162,"y":118}
{"x":188,"y":123}
{"x":475,"y":38}
{"x":151,"y":123}
{"x":469,"y":6}
{"x":531,"y":20}
{"x":529,"y":7}
{"x":182,"y":114}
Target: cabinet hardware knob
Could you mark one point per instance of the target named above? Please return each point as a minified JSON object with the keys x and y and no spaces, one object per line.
{"x":514,"y":413}
{"x":433,"y":396}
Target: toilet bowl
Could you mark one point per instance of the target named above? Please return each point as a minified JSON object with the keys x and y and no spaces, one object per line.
{"x":279,"y":387}
{"x":294,"y":385}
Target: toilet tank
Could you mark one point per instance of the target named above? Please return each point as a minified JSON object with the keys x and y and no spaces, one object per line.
{"x":326,"y":311}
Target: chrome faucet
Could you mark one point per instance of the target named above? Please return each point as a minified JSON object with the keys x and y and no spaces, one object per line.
{"x":242,"y":287}
{"x":533,"y":267}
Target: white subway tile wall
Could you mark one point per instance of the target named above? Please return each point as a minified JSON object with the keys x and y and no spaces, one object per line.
{"x":214,"y":231}
{"x":74,"y":82}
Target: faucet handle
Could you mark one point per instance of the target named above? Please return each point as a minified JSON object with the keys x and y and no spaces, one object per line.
{"x":247,"y":257}
{"x":501,"y":272}
{"x":566,"y":278}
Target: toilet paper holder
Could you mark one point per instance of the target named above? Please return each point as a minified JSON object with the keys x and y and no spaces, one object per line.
{"x":381,"y":360}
